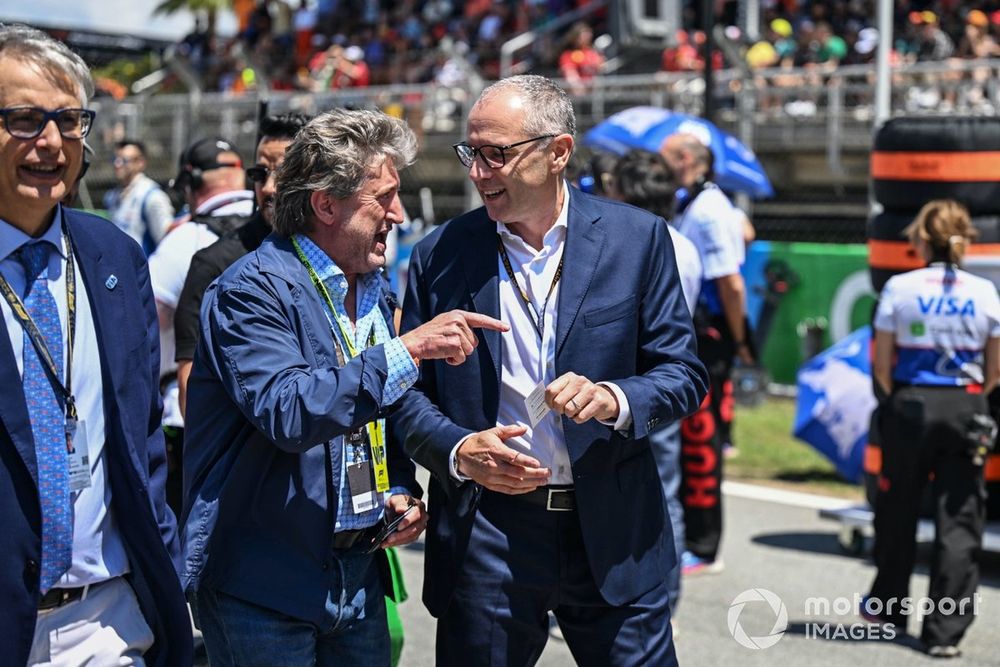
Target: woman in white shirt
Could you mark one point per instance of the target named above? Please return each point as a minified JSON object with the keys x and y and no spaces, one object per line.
{"x":937,"y":357}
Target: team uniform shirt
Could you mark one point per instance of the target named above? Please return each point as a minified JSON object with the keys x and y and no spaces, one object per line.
{"x":688,"y":266}
{"x":142,"y":210}
{"x":168,"y":266}
{"x":941,"y":317}
{"x":714,"y":225}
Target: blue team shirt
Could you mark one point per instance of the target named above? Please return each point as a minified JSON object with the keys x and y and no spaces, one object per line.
{"x":941,"y":317}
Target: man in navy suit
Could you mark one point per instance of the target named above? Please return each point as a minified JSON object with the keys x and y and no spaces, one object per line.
{"x":88,"y":550}
{"x":545,"y":494}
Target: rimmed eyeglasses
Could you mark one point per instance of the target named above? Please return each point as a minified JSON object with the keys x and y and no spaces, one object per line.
{"x":493,"y":156}
{"x":28,"y":122}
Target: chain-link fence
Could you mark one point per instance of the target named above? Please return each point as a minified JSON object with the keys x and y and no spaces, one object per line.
{"x":812,"y":129}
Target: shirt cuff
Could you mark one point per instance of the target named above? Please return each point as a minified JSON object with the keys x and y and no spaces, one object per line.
{"x":397,"y":491}
{"x":402,"y":371}
{"x":624,"y":421}
{"x":453,"y":462}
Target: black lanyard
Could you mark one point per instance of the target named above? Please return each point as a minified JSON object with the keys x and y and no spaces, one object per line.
{"x":539,"y":319}
{"x":21,"y":313}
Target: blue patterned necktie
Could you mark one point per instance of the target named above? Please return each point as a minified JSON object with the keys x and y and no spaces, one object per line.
{"x":48,"y":423}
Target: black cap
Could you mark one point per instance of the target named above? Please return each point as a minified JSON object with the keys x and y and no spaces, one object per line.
{"x":203,"y":155}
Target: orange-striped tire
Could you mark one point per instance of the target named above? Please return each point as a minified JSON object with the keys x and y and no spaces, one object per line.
{"x":915,"y":160}
{"x":890,"y":253}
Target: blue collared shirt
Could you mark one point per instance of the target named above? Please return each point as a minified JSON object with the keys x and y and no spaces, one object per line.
{"x":370,"y":325}
{"x":98,"y":550}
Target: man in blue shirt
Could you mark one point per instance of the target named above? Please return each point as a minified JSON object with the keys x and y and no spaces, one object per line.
{"x":86,"y":552}
{"x":288,"y":475}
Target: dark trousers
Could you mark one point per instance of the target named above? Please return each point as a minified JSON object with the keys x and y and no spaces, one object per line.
{"x":239,"y":633}
{"x":174,"y":441}
{"x":702,"y":436}
{"x":923,"y":433}
{"x":524,"y":561}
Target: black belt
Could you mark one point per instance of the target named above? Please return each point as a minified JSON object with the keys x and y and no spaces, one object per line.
{"x":552,"y":498}
{"x":59,"y":597}
{"x":345,"y":539}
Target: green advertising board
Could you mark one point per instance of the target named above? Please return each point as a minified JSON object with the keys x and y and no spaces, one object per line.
{"x":803,"y":297}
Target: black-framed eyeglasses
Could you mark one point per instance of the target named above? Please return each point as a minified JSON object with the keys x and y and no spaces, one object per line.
{"x":493,"y":156}
{"x":28,"y":122}
{"x":258,"y":174}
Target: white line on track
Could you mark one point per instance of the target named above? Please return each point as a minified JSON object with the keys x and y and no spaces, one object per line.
{"x":783,"y":497}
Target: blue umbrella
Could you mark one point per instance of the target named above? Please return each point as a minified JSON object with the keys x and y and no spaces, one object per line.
{"x":736,"y":167}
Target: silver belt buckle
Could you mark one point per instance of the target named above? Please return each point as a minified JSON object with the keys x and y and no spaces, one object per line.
{"x":548,"y":501}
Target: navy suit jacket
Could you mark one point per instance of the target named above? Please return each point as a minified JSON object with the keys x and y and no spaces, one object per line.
{"x":128,"y":337}
{"x":621,"y":317}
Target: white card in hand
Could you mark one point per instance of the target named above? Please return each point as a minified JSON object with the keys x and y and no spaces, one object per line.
{"x":535,"y":402}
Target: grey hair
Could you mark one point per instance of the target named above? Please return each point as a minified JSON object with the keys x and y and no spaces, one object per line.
{"x":550,"y":110}
{"x":53,"y":57}
{"x":334,"y":154}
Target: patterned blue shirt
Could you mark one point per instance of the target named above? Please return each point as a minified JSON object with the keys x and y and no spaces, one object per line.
{"x":402,"y":370}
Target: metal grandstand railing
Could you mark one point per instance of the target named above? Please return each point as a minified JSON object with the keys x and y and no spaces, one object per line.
{"x":792,"y":110}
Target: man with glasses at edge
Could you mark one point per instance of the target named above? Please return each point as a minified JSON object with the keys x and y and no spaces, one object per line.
{"x":139,"y":206}
{"x":544,"y":493}
{"x":88,"y":546}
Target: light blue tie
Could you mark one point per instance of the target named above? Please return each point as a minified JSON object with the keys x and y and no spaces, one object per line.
{"x":48,"y":423}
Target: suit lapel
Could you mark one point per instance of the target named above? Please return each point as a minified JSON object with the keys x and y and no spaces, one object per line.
{"x":480,"y":261}
{"x":584,"y":242}
{"x":106,"y":303}
{"x":13,"y":408}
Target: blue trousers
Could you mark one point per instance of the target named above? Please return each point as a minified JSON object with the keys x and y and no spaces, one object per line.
{"x":524,"y":561}
{"x":666,"y":444}
{"x":241,"y":633}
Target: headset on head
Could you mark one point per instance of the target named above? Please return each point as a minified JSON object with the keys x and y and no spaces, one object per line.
{"x":190,"y":176}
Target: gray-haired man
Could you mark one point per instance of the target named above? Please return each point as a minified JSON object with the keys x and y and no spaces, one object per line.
{"x":87,"y":543}
{"x":287,"y":472}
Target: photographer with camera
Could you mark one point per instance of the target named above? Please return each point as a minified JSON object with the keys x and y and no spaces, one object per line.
{"x":937,"y":358}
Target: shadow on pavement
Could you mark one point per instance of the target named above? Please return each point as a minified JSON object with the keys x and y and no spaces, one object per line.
{"x":817,"y":543}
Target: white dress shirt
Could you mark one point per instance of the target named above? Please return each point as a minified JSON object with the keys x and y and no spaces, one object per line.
{"x":98,"y":550}
{"x":528,"y":360}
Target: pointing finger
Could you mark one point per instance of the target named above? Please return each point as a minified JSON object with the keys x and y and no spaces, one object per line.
{"x":484,"y":321}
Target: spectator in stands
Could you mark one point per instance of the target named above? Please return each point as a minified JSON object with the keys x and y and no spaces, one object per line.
{"x":580,"y":62}
{"x":977,"y":42}
{"x":932,"y":43}
{"x":304,"y":23}
{"x":139,"y":206}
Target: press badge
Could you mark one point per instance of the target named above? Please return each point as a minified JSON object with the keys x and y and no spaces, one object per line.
{"x":79,"y":459}
{"x":359,"y":481}
{"x":535,"y":402}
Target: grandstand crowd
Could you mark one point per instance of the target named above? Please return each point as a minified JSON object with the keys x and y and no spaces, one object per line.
{"x":317,"y":45}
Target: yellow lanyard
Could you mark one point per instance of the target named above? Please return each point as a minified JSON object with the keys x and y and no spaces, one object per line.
{"x":376,"y":429}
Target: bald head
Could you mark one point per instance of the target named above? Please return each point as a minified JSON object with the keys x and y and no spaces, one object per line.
{"x":689,"y":159}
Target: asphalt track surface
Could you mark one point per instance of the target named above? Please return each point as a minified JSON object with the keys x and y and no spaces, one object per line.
{"x":788,"y":550}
